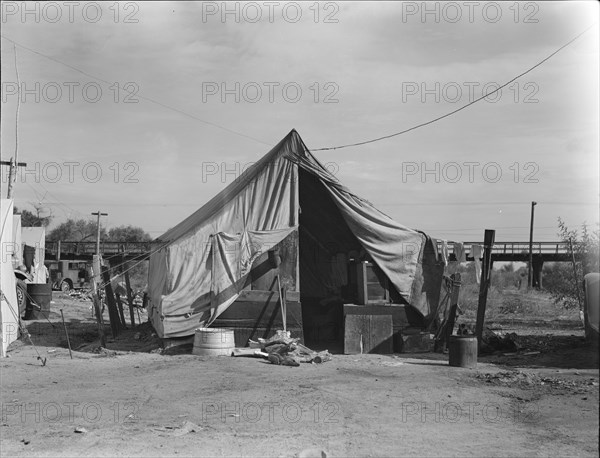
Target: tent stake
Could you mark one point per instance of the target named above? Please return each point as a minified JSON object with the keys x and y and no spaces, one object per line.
{"x":66,"y":333}
{"x":283,"y":306}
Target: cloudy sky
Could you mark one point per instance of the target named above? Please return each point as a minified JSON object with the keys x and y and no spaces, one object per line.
{"x":146,"y":110}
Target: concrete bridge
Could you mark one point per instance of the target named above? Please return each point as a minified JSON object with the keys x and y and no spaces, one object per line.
{"x":137,"y":251}
{"x":519,"y":252}
{"x":128,"y":251}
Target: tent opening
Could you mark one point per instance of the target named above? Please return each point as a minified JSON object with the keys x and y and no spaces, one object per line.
{"x":327,"y":252}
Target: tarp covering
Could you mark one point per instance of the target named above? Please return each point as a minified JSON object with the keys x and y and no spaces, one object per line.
{"x":200,"y":270}
{"x":36,"y":237}
{"x":9,"y":309}
{"x":592,"y":304}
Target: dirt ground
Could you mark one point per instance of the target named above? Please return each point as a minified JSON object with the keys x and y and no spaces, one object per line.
{"x":131,"y":400}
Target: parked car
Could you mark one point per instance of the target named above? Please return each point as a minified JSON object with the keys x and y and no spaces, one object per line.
{"x":69,"y":274}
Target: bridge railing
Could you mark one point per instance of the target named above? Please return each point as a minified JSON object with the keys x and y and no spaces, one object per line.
{"x":87,"y":248}
{"x":108,"y":248}
{"x":519,"y":248}
{"x":536,"y":248}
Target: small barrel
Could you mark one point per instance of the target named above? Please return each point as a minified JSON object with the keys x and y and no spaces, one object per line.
{"x":39,"y":296}
{"x":462,"y":351}
{"x":213,"y":342}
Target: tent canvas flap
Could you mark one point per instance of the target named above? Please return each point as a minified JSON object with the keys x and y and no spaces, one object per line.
{"x":9,"y":309}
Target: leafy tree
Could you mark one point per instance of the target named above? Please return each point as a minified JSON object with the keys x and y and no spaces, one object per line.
{"x":76,"y":231}
{"x":138,"y":270}
{"x":565,"y":280}
{"x":30,"y":219}
{"x":508,"y":267}
{"x":128,"y":234}
{"x":85,"y":230}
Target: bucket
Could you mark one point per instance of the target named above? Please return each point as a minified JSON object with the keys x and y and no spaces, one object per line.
{"x":213,"y":342}
{"x":39,"y":296}
{"x":462,"y":351}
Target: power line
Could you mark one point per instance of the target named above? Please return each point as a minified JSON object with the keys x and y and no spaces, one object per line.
{"x":458,"y":109}
{"x":457,"y":204}
{"x":151,"y":100}
{"x":411,"y":204}
{"x":59,"y":203}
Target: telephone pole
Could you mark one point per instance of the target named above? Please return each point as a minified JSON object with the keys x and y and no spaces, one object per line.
{"x":98,"y":230}
{"x":96,"y":271}
{"x":12,"y":172}
{"x":529,"y":275}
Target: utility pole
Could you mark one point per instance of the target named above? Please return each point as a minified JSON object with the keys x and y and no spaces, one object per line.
{"x":529,"y":275}
{"x":96,"y":271}
{"x":12,"y":172}
{"x":98,"y":233}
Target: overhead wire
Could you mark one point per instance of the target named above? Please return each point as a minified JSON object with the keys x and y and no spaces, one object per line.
{"x":148,"y":99}
{"x":18,"y":107}
{"x":439,"y":118}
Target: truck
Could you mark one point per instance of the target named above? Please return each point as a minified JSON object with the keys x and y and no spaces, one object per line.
{"x":69,"y":274}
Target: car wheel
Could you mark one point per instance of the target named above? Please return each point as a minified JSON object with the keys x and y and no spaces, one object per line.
{"x":21,"y":296}
{"x":65,"y":287}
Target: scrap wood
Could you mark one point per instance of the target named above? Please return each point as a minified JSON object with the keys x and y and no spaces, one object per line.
{"x":302,"y":349}
{"x":246,"y":352}
{"x":264,"y":344}
{"x":279,"y":348}
{"x":306,"y":355}
{"x":282,"y":336}
{"x":243,"y":352}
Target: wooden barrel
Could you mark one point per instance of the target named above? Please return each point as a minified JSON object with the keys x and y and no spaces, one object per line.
{"x":39,"y":296}
{"x":213,"y":342}
{"x":462,"y":351}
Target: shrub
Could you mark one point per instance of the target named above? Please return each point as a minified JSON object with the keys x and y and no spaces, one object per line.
{"x":564,"y":281}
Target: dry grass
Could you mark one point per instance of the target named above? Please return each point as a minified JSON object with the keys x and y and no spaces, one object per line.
{"x":512,"y":303}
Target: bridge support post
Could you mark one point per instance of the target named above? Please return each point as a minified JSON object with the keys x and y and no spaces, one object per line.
{"x":538,"y":264}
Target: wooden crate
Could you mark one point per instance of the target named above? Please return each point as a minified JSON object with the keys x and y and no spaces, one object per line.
{"x":401,"y":318}
{"x":368,"y":334}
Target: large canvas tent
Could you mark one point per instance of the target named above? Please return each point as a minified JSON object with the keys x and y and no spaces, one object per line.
{"x":286,"y":206}
{"x":8,"y":306}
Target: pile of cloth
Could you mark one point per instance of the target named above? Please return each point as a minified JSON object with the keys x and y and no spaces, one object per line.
{"x":282,"y":349}
{"x":492,"y":342}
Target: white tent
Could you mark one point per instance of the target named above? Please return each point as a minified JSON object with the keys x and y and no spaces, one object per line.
{"x":36,"y":237}
{"x":9,"y":309}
